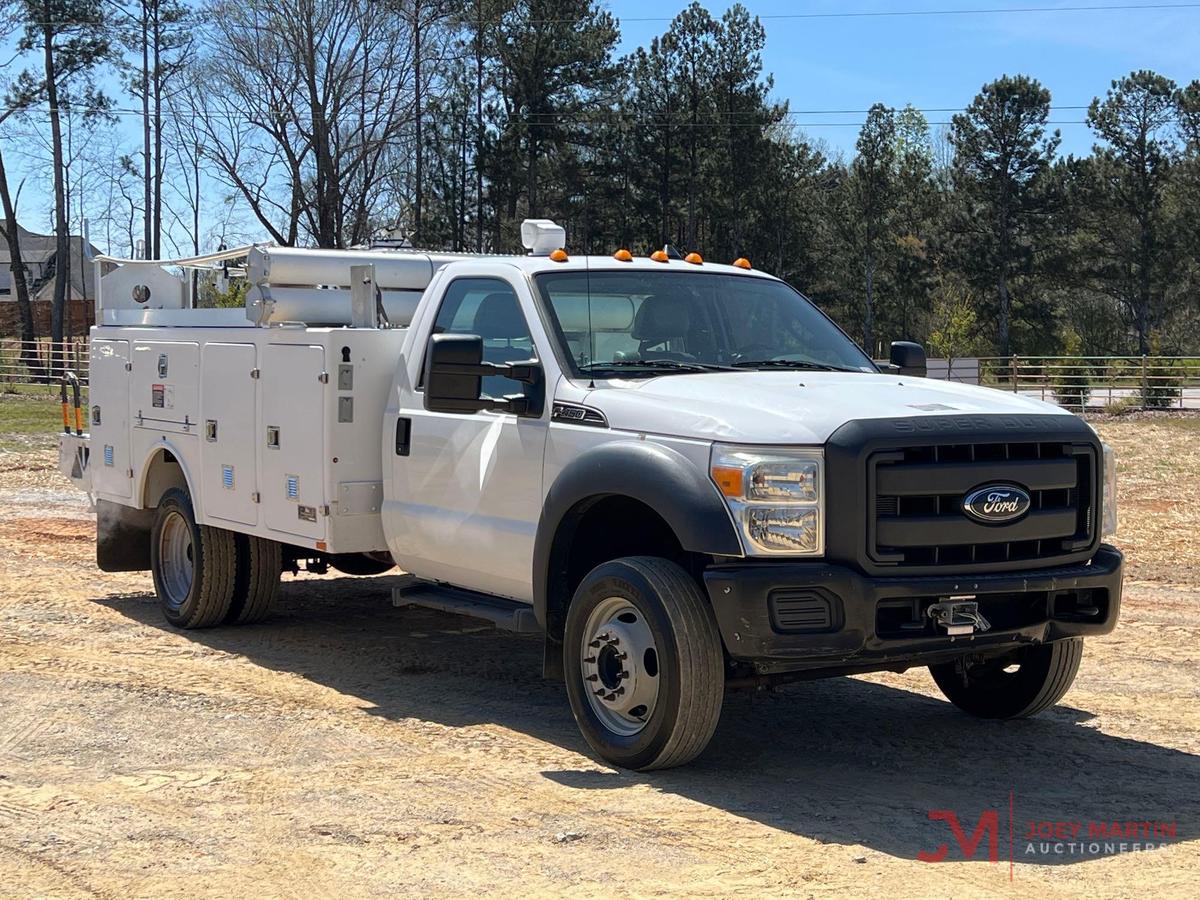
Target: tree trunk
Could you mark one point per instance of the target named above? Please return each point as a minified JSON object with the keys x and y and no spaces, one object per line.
{"x":196,"y":221}
{"x":147,"y":159}
{"x":1145,"y":287}
{"x":479,"y":126}
{"x":1002,"y":298}
{"x":156,"y":232}
{"x":62,"y":250}
{"x":20,"y":283}
{"x":417,"y":195}
{"x":869,"y":305}
{"x":531,"y":184}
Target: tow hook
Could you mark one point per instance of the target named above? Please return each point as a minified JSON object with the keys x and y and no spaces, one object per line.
{"x":959,"y":615}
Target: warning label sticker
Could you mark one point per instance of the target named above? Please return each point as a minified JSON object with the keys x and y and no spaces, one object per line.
{"x":162,"y":396}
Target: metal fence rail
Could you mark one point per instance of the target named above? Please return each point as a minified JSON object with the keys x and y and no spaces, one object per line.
{"x":1099,"y":382}
{"x":1084,"y":382}
{"x":42,"y":361}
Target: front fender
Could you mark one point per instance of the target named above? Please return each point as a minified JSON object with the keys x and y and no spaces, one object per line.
{"x":655,"y":475}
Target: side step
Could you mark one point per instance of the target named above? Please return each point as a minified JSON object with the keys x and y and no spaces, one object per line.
{"x":507,"y":615}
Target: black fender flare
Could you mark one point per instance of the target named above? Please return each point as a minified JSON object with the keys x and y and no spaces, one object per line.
{"x":658,"y":476}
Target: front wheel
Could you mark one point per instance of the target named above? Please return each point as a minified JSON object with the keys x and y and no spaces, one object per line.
{"x":1013,"y":686}
{"x":643,"y":663}
{"x":362,"y":563}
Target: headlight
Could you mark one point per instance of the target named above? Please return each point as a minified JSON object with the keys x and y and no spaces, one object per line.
{"x":1110,"y":492}
{"x":777,"y":497}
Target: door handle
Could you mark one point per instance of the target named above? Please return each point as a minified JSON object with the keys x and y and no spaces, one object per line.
{"x":403,"y":434}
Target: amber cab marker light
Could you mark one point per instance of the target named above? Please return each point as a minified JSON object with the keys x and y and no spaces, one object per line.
{"x":694,"y":258}
{"x":742,"y":263}
{"x":728,"y":480}
{"x":659,"y":256}
{"x":559,"y":255}
{"x":623,"y":256}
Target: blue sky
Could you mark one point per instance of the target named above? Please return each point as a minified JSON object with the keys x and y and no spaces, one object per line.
{"x":940,"y":61}
{"x":936,"y":62}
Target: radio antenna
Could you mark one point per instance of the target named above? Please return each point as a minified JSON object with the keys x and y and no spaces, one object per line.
{"x":587,"y":280}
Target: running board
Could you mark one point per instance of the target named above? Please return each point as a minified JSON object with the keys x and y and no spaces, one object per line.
{"x":507,"y":615}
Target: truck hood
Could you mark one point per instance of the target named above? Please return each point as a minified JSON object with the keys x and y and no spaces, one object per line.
{"x":789,"y":407}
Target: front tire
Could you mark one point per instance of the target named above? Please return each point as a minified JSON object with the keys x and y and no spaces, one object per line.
{"x":362,"y":563}
{"x":194,"y":566}
{"x":643,"y":662}
{"x":994,"y":689}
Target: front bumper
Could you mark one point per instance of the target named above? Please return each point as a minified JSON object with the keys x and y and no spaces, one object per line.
{"x":791,"y":616}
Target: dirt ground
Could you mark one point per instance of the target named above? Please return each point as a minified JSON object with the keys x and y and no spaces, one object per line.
{"x":349,"y":748}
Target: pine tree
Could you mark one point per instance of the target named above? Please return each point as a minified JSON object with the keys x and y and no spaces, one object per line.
{"x":1134,"y":244}
{"x":555,"y":69}
{"x":1002,"y":154}
{"x":871,"y":188}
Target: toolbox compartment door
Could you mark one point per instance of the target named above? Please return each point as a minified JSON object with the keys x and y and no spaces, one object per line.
{"x":291,"y":440}
{"x":228,"y":392}
{"x":165,"y":392}
{"x":108,"y":399}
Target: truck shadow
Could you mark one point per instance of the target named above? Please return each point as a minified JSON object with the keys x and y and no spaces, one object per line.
{"x":841,"y":761}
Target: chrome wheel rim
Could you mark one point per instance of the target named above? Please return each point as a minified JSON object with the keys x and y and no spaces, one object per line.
{"x":619,"y":665}
{"x":175,"y":559}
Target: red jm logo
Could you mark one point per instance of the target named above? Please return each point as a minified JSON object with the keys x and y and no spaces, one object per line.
{"x":989,"y":824}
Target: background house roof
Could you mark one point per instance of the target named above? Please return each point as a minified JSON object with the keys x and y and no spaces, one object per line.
{"x":38,"y":250}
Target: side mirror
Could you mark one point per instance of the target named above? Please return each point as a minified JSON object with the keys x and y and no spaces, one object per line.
{"x":454,"y":373}
{"x":446,"y":389}
{"x":908,"y":358}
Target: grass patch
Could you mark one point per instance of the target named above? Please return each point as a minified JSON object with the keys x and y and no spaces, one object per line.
{"x":30,"y":416}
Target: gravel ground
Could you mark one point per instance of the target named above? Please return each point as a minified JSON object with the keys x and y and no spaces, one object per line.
{"x":347,"y":747}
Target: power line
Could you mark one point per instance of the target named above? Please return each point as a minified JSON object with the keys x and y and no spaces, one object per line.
{"x":899,"y":13}
{"x":846,"y":14}
{"x":718,"y":121}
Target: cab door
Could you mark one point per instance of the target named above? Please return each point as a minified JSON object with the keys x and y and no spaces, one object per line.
{"x":465,"y":493}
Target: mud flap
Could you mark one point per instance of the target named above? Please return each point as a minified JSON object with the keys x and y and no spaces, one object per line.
{"x":122,"y":537}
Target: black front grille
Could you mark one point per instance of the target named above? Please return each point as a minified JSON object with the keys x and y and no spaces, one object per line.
{"x":915,"y":495}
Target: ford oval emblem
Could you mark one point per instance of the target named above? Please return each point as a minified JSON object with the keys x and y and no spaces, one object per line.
{"x":995,"y":503}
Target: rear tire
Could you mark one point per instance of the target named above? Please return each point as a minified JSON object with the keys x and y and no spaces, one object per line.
{"x":1043,"y":675}
{"x":256,"y":586}
{"x":641,"y":633}
{"x":194,"y":566}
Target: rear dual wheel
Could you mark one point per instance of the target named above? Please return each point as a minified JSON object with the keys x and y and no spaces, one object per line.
{"x":207,"y":576}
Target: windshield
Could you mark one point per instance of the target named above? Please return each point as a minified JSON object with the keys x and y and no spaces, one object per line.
{"x":641,"y":323}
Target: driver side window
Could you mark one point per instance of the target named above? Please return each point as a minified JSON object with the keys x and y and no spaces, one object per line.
{"x":489,"y":308}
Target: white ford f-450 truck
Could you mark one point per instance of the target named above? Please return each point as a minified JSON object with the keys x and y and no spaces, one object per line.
{"x":682,"y":474}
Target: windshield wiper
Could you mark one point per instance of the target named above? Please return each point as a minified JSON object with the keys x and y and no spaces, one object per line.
{"x":789,"y":364}
{"x":655,"y":366}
